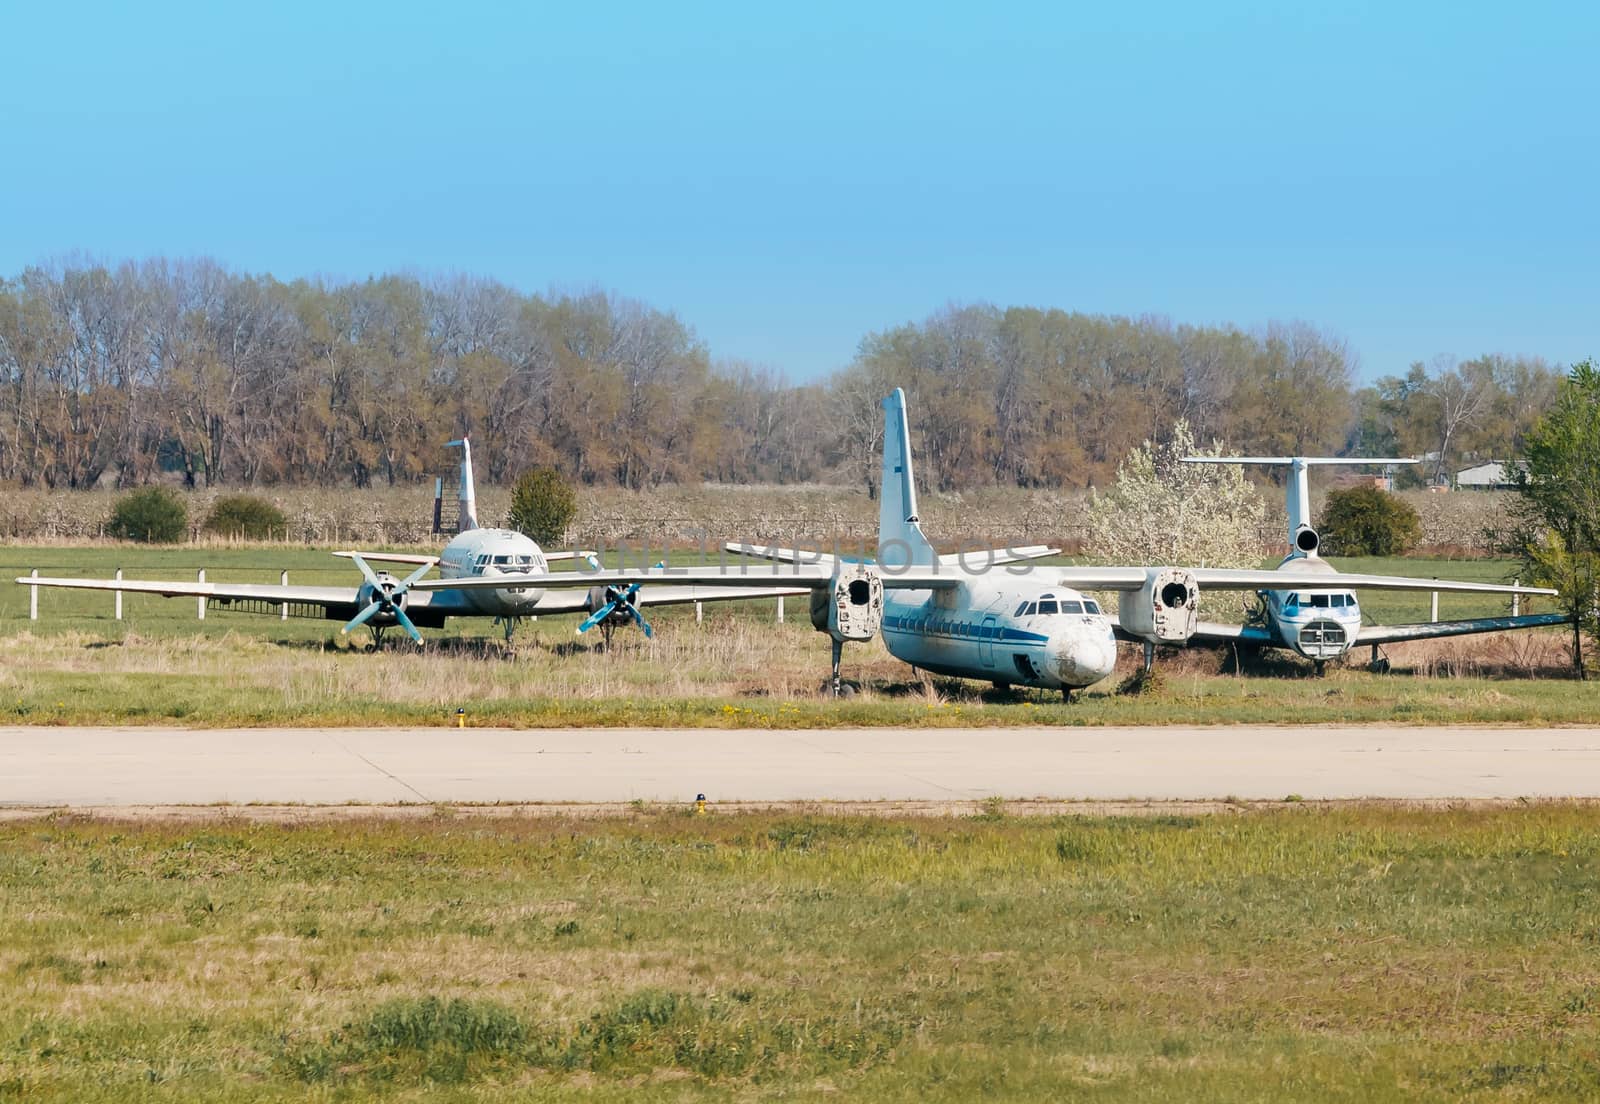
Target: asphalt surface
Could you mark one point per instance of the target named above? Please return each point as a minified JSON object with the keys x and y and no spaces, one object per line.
{"x":163,"y":766}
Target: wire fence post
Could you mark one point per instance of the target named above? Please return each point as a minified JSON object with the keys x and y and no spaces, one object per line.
{"x":699,"y":612}
{"x":283,"y":577}
{"x":200,"y":599}
{"x":780,"y":609}
{"x":33,"y":598}
{"x":1433,"y":612}
{"x":119,"y":595}
{"x":1516,"y":599}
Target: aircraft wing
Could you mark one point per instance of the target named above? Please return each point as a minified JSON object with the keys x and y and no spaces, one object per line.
{"x":1392,"y":634}
{"x":1211,"y":632}
{"x":390,"y":557}
{"x":1219,"y":578}
{"x":655,"y":594}
{"x":330,"y":603}
{"x":788,"y":579}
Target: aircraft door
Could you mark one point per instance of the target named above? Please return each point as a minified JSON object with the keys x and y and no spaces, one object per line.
{"x":986,"y":641}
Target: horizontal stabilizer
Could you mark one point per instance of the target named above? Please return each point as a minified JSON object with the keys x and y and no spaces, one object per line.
{"x":1290,"y":461}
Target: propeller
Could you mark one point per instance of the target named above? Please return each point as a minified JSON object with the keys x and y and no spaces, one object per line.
{"x":618,"y":599}
{"x":387,"y":601}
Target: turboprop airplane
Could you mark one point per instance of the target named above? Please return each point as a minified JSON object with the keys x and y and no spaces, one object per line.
{"x":991,"y":616}
{"x":1315,"y":619}
{"x":474,"y":555}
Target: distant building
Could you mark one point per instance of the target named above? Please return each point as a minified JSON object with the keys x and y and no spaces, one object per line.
{"x":1496,"y":475}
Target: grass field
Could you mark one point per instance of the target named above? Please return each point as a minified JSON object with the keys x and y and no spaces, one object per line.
{"x":1360,"y":954}
{"x":79,"y":665}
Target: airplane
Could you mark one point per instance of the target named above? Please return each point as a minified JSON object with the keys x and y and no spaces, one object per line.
{"x":475,"y":554}
{"x":995,"y":616}
{"x":1320,"y":623}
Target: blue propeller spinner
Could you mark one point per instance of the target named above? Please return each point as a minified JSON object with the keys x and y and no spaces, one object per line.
{"x":616,"y":599}
{"x":387,"y":600}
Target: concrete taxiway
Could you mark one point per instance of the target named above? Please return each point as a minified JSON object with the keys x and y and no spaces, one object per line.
{"x":165,"y":766}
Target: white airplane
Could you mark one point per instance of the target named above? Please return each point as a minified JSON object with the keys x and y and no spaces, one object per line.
{"x":989,"y":616}
{"x":1324,"y":624}
{"x":476,"y":555}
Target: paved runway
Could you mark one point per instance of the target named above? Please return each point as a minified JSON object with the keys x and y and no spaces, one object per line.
{"x":154,"y":766}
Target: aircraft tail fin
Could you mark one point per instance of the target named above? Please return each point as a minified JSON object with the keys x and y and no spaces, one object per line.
{"x":1303,"y":539}
{"x":900,"y":539}
{"x":467,"y":518}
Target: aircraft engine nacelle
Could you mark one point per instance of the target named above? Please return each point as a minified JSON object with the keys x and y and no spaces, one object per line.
{"x":384,"y":594}
{"x":1306,"y":541}
{"x":850,"y":607}
{"x":1163,"y":611}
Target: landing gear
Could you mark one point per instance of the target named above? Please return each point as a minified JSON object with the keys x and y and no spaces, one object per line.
{"x":1321,"y":665}
{"x":508,"y":625}
{"x":1149,"y":657}
{"x":377,"y":636}
{"x":838,"y":654}
{"x":1066,"y":694}
{"x":1379,"y":664}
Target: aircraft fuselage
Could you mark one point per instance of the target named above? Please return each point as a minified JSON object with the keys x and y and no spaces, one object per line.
{"x":1006,"y":631}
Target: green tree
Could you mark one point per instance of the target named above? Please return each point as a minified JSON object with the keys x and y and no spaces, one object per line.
{"x":1364,"y":521}
{"x":154,"y":515}
{"x":542,"y":505}
{"x":246,"y":516}
{"x":1559,"y":508}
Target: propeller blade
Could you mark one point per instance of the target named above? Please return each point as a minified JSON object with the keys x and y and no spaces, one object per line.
{"x":363,"y":617}
{"x":643,"y":624}
{"x":405,"y":623}
{"x":365,"y":570}
{"x":411,"y":578}
{"x":588,"y":558}
{"x":596,"y":617}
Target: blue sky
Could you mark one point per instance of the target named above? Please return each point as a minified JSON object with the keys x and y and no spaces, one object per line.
{"x":1420,"y":179}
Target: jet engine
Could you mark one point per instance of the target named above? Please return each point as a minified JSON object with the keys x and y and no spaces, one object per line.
{"x":1165,"y":609}
{"x":1306,"y":541}
{"x":850,"y":607}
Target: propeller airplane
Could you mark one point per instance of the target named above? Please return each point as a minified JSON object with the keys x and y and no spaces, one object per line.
{"x":474,"y":556}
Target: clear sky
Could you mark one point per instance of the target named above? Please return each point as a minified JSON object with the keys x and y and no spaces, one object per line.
{"x":1420,"y":179}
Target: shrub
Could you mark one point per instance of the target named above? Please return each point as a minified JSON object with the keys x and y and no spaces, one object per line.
{"x":154,"y":515}
{"x":246,"y":516}
{"x":542,"y":505}
{"x":1364,"y":521}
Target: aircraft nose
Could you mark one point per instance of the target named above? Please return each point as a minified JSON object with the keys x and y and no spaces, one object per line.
{"x":1082,"y":657}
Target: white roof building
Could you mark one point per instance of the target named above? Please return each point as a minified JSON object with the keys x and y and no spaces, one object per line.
{"x":1487,"y":477}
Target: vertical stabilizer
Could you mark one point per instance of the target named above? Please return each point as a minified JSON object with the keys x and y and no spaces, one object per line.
{"x":1303,"y":539}
{"x":900,"y":539}
{"x":468,"y":516}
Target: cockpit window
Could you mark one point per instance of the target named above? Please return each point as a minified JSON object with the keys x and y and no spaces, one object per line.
{"x":1032,"y":608}
{"x":502,"y":560}
{"x":1071,"y":607}
{"x":1022,"y":607}
{"x":1047,"y":605}
{"x":525,"y":561}
{"x":482,"y":560}
{"x":1320,"y":601}
{"x":1091,"y":606}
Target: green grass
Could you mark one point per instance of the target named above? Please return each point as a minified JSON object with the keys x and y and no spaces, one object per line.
{"x":1361,"y":954}
{"x":160,"y":665}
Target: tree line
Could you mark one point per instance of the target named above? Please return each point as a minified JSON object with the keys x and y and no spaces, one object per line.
{"x":186,"y":370}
